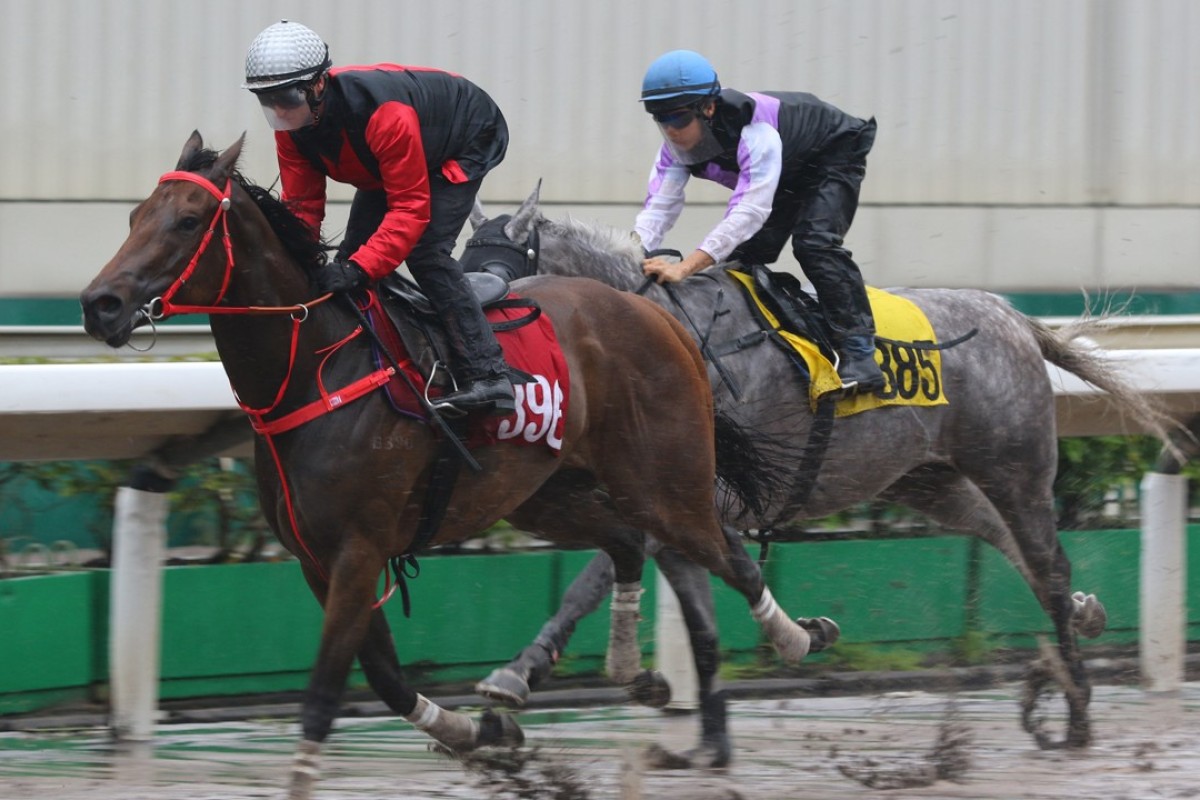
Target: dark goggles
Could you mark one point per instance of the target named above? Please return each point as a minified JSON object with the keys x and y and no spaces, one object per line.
{"x":677,"y":117}
{"x":289,"y":97}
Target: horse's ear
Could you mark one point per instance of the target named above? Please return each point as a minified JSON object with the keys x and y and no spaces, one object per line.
{"x":192,"y":146}
{"x":226,"y":163}
{"x":477,"y":215}
{"x":526,"y":215}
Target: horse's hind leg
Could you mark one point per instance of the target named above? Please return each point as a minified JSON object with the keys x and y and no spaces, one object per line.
{"x":691,"y":585}
{"x":512,"y":683}
{"x":570,"y":508}
{"x":1026,"y":502}
{"x":1018,"y":519}
{"x":457,"y":732}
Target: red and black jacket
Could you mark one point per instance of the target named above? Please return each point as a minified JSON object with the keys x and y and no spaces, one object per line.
{"x":388,"y":127}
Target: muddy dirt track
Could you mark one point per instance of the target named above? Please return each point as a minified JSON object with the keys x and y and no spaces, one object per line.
{"x":828,"y":748}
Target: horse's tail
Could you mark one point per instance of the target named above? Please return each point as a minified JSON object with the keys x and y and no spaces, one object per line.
{"x":1061,"y":349}
{"x":751,"y":467}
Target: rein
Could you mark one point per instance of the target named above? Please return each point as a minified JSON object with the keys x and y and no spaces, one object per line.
{"x":702,"y":337}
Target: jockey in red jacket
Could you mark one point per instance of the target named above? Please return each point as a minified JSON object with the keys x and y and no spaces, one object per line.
{"x":415,"y":143}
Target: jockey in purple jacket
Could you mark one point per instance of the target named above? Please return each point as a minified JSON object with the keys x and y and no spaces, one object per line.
{"x":794,"y":164}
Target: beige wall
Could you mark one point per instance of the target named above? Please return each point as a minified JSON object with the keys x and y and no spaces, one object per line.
{"x":1022,"y":144}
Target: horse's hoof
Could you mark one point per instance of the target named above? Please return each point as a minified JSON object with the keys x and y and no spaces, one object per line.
{"x":1088,"y":615}
{"x":714,"y":752}
{"x":822,"y":631}
{"x":1079,"y":736}
{"x":499,"y":730}
{"x":658,"y":757}
{"x":650,"y":688}
{"x":504,"y":686}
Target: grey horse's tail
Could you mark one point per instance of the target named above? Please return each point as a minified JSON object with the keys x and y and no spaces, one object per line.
{"x":752,"y":466}
{"x":1060,"y":348}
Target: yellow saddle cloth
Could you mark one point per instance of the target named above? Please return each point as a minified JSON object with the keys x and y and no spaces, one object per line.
{"x":912,"y":374}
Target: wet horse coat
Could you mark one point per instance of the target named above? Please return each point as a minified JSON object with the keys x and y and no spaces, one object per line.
{"x":343,"y":488}
{"x":984,"y":464}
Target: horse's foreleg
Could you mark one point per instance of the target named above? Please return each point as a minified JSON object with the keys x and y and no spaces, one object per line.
{"x":460,"y":733}
{"x":347,"y":600}
{"x":456,"y":731}
{"x":513,"y":682}
{"x":623,"y":660}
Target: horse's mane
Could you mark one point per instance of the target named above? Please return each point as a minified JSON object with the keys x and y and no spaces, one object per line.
{"x":593,"y":250}
{"x":310,"y":251}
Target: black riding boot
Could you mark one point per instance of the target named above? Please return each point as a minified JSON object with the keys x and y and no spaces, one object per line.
{"x":480,"y":374}
{"x":856,"y":364}
{"x":844,"y":300}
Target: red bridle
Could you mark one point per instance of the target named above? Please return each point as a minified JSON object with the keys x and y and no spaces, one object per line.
{"x":162,"y":307}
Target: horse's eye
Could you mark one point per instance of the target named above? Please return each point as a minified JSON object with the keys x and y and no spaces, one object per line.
{"x":188,"y":224}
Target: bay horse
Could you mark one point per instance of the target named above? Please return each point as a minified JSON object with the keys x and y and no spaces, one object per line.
{"x":343,"y":479}
{"x":984,"y":464}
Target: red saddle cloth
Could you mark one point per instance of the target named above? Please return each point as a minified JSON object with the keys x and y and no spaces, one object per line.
{"x":533,"y":348}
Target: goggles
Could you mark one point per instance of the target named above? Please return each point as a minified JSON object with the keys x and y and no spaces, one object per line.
{"x":288,"y":98}
{"x":677,"y":117}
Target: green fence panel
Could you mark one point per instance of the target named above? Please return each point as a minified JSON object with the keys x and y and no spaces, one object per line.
{"x":737,"y":630}
{"x":1104,"y":563}
{"x":255,"y":627}
{"x":237,"y":628}
{"x":472,"y":609}
{"x":49,"y":641}
{"x":883,"y":590}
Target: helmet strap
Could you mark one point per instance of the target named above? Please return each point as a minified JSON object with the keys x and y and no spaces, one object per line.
{"x":315,"y":100}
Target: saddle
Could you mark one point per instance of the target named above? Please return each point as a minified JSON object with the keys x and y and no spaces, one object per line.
{"x":906,"y":345}
{"x":406,"y":323}
{"x":413,"y":321}
{"x":797,"y":311}
{"x":488,"y":289}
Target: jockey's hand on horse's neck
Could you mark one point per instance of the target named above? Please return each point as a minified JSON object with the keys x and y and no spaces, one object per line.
{"x":674,"y":271}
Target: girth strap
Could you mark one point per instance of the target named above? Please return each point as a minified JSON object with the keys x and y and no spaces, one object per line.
{"x":442,"y":478}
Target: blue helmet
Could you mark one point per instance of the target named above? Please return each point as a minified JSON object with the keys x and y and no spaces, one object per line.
{"x":678,"y":78}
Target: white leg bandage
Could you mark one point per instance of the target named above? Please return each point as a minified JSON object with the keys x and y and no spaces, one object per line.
{"x":305,"y":770}
{"x":457,"y":731}
{"x":624,"y":657}
{"x":790,"y":640}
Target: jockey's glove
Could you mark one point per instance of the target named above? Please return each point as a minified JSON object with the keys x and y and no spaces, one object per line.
{"x":342,"y":276}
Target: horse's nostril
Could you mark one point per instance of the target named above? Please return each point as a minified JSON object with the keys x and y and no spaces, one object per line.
{"x":106,"y":305}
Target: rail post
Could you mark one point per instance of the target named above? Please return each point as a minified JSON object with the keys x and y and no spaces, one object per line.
{"x":1162,"y":629}
{"x":135,"y":615}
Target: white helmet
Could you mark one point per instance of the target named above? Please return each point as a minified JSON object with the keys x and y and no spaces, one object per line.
{"x":285,"y":53}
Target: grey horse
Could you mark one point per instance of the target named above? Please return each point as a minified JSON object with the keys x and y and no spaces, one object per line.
{"x":983,"y":464}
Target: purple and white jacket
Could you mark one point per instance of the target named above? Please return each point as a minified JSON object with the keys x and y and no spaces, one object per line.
{"x":770,"y":141}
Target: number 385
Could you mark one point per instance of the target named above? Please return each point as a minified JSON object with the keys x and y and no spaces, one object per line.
{"x":908,"y":371}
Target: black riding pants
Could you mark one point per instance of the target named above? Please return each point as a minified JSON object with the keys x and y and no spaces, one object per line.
{"x":476,"y":352}
{"x":815,"y":207}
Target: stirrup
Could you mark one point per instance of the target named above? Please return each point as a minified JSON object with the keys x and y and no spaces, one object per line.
{"x":437,"y":404}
